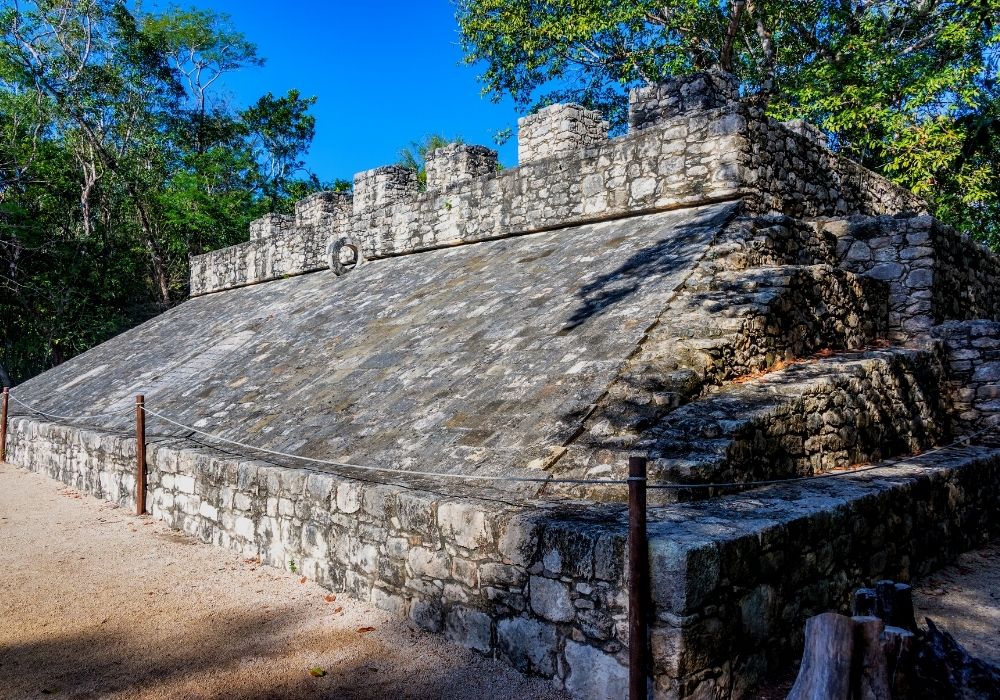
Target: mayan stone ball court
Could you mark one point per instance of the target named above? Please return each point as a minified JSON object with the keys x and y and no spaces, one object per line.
{"x":428,"y":399}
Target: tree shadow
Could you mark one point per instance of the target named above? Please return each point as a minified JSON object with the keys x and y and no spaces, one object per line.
{"x":237,"y":655}
{"x":679,"y":250}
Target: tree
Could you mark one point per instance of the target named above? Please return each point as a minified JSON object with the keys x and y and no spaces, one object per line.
{"x":117,"y":161}
{"x":907,"y":87}
{"x":414,"y":156}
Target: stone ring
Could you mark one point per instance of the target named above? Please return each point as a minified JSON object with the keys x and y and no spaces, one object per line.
{"x":333,"y":255}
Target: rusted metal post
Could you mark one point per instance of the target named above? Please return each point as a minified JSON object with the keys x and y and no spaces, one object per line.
{"x":140,"y":454}
{"x":3,"y":425}
{"x":638,"y":580}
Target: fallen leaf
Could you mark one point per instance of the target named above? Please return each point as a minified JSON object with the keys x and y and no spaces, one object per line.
{"x":362,"y":630}
{"x":302,"y":580}
{"x":330,"y":598}
{"x":317,"y":672}
{"x":338,"y":609}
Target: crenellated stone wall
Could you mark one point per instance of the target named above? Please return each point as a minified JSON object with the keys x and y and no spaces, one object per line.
{"x":692,"y":143}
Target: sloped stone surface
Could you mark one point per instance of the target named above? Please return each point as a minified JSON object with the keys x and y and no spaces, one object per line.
{"x":476,"y":359}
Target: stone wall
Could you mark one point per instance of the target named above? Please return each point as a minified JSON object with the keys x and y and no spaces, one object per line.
{"x":973,"y":355}
{"x":738,"y":576}
{"x":792,"y":172}
{"x":809,"y":418}
{"x":933,"y":272}
{"x":542,"y":586}
{"x":570,"y":173}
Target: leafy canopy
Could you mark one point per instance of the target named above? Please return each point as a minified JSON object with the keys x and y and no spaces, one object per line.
{"x":118,"y":159}
{"x":907,"y":87}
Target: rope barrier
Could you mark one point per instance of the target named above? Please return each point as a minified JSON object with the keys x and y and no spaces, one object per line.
{"x":661,"y":485}
{"x":549,"y":480}
{"x":388,"y":470}
{"x":71,"y":418}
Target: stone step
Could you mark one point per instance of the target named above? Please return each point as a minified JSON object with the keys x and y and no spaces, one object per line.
{"x":809,"y":418}
{"x":744,"y":322}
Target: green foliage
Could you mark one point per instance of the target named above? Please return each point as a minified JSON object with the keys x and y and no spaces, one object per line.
{"x":907,"y":87}
{"x":117,"y":162}
{"x":414,"y":156}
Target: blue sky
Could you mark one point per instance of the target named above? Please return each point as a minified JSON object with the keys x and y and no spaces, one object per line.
{"x":385,"y":74}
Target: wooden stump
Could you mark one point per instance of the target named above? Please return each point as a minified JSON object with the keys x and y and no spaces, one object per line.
{"x":825,"y":673}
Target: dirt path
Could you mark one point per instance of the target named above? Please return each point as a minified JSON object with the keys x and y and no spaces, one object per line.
{"x":96,"y":603}
{"x":964,"y":599}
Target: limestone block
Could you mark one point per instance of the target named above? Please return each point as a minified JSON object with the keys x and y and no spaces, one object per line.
{"x":551,"y":599}
{"x":559,"y":130}
{"x":458,"y":162}
{"x":470,"y":628}
{"x":594,"y":675}
{"x":382,"y":187}
{"x":528,"y":644}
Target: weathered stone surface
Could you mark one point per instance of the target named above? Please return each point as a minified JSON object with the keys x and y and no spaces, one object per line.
{"x":594,"y":675}
{"x":528,"y":644}
{"x":550,"y":599}
{"x":559,"y":130}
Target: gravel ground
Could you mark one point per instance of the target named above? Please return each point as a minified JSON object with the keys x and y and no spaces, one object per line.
{"x":96,"y":603}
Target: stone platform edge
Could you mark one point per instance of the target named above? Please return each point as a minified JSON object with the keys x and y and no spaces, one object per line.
{"x":541,"y":585}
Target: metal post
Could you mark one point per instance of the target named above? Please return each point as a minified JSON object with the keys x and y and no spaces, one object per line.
{"x":3,"y":425}
{"x":140,"y":454}
{"x":638,"y":580}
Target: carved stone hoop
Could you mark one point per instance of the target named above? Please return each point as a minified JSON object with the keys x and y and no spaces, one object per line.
{"x":333,"y":255}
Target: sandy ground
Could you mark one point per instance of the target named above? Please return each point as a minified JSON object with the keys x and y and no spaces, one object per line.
{"x":96,"y":603}
{"x":964,"y":599}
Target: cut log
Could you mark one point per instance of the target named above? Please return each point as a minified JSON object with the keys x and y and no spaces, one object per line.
{"x":885,"y":599}
{"x":825,"y":673}
{"x":864,"y":602}
{"x":902,"y":608}
{"x":871,"y":670}
{"x":900,"y":648}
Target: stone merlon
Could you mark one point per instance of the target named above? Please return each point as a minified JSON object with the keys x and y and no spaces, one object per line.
{"x":383,"y":187}
{"x":458,"y":162}
{"x":559,"y":130}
